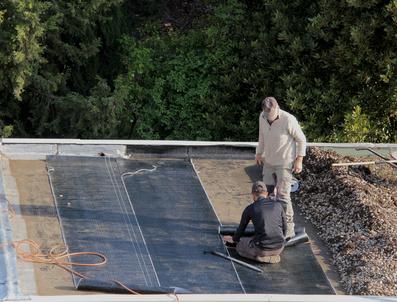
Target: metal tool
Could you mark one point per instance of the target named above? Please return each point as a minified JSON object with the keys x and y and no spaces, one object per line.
{"x":376,"y":162}
{"x":234,"y":260}
{"x":300,"y":236}
{"x":379,"y":155}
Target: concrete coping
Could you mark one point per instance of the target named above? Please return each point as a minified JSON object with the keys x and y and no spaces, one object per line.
{"x":176,"y":143}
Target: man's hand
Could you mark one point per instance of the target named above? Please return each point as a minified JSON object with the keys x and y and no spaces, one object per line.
{"x":258,"y":159}
{"x":229,"y":241}
{"x":298,"y":165}
{"x":228,"y":238}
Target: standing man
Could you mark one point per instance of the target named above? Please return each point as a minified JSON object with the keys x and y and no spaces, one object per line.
{"x":268,"y":217}
{"x":281,"y":148}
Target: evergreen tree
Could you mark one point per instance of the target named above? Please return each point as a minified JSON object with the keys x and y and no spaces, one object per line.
{"x":21,"y":32}
{"x":198,"y":69}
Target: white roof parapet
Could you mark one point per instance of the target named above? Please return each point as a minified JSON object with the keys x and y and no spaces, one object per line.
{"x":38,"y":149}
{"x":27,"y":151}
{"x":56,"y":141}
{"x":124,"y":142}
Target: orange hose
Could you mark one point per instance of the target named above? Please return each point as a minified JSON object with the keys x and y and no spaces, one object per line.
{"x":126,"y":287}
{"x":36,"y":255}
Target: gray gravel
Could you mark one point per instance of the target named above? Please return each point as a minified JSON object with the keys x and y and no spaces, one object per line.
{"x":355,"y":212}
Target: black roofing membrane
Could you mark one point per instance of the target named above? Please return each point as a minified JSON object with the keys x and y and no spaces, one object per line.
{"x":96,"y":217}
{"x":297,"y":273}
{"x":153,"y":221}
{"x":172,"y":213}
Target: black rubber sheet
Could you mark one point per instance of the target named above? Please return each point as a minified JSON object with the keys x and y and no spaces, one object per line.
{"x":95,"y":216}
{"x":153,"y":221}
{"x":297,"y":273}
{"x":152,"y":225}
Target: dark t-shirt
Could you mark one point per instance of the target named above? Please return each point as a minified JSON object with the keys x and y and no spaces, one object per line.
{"x":269,"y":221}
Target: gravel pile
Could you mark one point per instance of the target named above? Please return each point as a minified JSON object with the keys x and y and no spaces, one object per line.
{"x":356,"y":215}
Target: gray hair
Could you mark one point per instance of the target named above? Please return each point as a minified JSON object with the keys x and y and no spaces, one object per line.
{"x":259,"y":187}
{"x":270,"y":108}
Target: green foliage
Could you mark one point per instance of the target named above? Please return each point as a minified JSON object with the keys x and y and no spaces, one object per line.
{"x":357,"y":127}
{"x":21,"y":51}
{"x":333,"y":56}
{"x":188,"y":85}
{"x":167,"y":91}
{"x":54,"y":52}
{"x":6,"y":131}
{"x":320,"y":59}
{"x":155,"y":70}
{"x":95,"y":116}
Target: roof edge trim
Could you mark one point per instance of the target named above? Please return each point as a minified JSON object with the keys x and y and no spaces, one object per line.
{"x":185,"y":143}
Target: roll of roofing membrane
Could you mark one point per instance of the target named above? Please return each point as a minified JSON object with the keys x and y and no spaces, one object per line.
{"x":113,"y":287}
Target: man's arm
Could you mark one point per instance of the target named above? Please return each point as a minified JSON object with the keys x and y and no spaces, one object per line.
{"x":261,"y":143}
{"x":296,"y":132}
{"x":298,"y":164}
{"x":245,"y":219}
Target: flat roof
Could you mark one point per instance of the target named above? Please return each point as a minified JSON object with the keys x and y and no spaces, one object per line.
{"x":36,"y":150}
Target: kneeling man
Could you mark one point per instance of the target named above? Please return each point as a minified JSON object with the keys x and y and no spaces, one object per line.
{"x":268,"y":218}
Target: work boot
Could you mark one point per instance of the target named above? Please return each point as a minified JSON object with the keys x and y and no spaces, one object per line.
{"x":231,"y":245}
{"x":268,"y":259}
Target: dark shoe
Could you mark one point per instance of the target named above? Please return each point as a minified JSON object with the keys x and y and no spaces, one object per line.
{"x":230,"y":244}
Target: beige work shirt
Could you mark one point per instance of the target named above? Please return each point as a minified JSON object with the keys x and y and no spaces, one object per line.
{"x":282,"y":141}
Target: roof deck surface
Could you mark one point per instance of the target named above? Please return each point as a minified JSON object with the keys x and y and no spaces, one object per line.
{"x":226,"y":173}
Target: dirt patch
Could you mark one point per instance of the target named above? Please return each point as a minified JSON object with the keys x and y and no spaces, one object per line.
{"x":36,"y":208}
{"x":355,"y":211}
{"x":228,"y":183}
